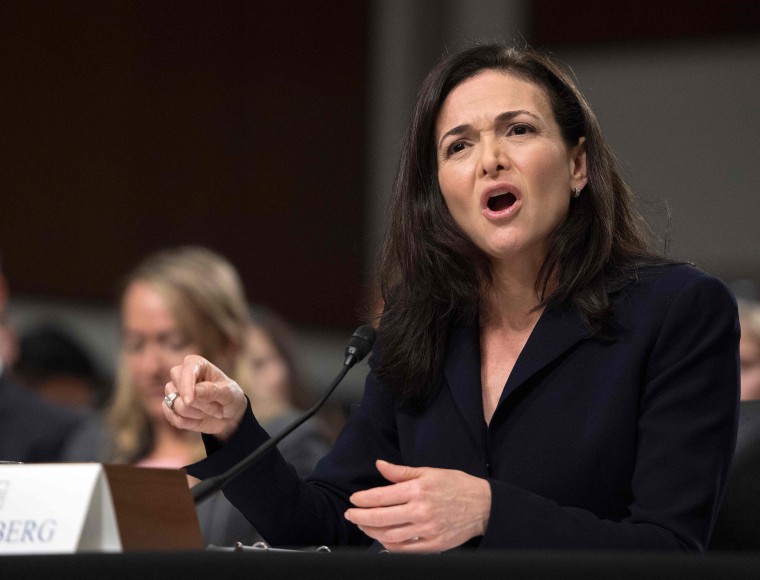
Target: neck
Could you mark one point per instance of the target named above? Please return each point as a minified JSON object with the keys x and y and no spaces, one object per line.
{"x":170,"y":441}
{"x":512,"y":299}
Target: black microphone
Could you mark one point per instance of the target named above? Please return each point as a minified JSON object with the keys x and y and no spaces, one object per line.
{"x":357,"y":348}
{"x":359,"y":345}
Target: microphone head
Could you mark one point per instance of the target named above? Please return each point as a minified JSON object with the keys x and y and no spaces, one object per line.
{"x":359,"y":344}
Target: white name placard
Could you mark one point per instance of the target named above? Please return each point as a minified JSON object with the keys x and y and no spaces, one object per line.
{"x":56,"y":508}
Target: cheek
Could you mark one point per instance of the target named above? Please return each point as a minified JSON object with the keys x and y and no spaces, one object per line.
{"x":273,"y":377}
{"x":136,"y":367}
{"x":280,"y":376}
{"x":552,"y":173}
{"x":551,"y":181}
{"x":455,"y":194}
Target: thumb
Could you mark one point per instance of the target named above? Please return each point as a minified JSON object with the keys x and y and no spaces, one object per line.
{"x":397,"y":473}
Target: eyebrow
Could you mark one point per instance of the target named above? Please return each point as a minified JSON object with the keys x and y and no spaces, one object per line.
{"x":501,"y":118}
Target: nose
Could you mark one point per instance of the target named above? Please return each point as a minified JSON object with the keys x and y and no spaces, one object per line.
{"x":493,"y":158}
{"x":150,"y":362}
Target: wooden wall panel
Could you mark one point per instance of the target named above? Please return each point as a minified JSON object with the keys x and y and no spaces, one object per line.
{"x":132,"y":126}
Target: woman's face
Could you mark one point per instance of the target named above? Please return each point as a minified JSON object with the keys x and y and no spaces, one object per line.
{"x":152,"y":344}
{"x":269,"y":370}
{"x":504,"y":170}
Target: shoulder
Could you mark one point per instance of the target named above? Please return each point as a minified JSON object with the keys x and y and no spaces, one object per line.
{"x":665,"y":284}
{"x":674,"y":302}
{"x":680,"y":314}
{"x":34,"y":429}
{"x":91,"y":440}
{"x":24,"y":402}
{"x":676,"y":276}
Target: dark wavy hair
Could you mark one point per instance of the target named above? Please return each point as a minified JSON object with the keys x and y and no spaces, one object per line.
{"x":430,"y":273}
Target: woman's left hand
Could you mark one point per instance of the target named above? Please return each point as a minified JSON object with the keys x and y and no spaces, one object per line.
{"x":426,"y":509}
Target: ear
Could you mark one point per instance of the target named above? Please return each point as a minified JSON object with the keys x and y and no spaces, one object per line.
{"x":578,"y":168}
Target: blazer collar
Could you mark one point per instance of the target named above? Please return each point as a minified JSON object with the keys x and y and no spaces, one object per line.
{"x":557,"y":330}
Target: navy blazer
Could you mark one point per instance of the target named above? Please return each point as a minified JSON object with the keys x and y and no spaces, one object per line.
{"x":622,"y":443}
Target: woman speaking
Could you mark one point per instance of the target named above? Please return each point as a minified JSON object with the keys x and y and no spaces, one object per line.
{"x":542,"y":379}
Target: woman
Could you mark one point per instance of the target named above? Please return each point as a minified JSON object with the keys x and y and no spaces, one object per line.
{"x":749,"y":349}
{"x":277,"y":382}
{"x":541,"y":379}
{"x":177,"y":302}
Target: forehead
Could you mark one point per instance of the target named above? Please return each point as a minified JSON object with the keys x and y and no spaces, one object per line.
{"x":488,"y":94}
{"x":144,"y":303}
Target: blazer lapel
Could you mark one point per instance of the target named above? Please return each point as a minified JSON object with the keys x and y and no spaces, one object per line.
{"x":462,"y":372}
{"x":557,"y":330}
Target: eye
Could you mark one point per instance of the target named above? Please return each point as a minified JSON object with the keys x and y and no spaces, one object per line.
{"x":520,"y":129}
{"x":262,"y":362}
{"x":174,"y":341}
{"x":455,"y":147}
{"x":132,"y":344}
{"x":177,"y":344}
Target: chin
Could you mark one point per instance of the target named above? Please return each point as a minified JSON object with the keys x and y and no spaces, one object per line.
{"x":154,"y":410}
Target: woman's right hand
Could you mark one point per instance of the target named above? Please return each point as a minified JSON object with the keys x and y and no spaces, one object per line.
{"x":207,"y":401}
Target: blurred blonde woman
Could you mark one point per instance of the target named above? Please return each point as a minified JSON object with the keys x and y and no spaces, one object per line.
{"x":181,"y":301}
{"x":176,"y":302}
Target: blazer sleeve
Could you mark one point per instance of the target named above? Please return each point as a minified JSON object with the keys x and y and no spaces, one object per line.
{"x":685,"y":438}
{"x":290,"y":511}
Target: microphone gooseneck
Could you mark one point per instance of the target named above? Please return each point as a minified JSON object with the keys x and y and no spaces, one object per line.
{"x":359,"y":345}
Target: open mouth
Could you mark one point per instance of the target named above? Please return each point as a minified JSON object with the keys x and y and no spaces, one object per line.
{"x":501,"y":202}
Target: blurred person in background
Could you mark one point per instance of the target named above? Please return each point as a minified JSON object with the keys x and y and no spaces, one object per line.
{"x":177,"y":302}
{"x":55,"y":364}
{"x":8,"y":337}
{"x":738,"y":523}
{"x":749,"y":349}
{"x":32,"y":429}
{"x":278,"y":384}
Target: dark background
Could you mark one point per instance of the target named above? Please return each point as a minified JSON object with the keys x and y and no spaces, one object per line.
{"x":132,"y":126}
